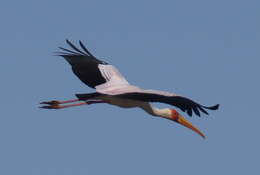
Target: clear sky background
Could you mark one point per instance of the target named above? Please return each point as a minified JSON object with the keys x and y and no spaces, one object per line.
{"x":206,"y":50}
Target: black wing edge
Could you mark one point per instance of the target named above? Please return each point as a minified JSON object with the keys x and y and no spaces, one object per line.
{"x":75,"y":51}
{"x":189,"y":106}
{"x":183,"y":103}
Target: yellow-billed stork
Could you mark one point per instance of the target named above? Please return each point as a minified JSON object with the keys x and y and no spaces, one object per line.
{"x":112,"y":88}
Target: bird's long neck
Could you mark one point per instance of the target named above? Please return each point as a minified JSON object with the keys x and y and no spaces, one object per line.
{"x":171,"y":115}
{"x":165,"y":112}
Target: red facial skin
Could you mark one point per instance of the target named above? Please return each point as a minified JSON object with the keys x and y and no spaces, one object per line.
{"x":175,"y":116}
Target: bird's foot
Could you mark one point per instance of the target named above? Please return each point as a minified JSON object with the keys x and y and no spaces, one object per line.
{"x":53,"y":102}
{"x":51,"y":106}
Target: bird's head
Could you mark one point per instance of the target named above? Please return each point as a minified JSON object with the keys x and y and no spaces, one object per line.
{"x":175,"y":116}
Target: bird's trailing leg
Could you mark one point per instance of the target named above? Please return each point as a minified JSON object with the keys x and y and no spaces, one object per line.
{"x":56,"y":102}
{"x":55,"y":105}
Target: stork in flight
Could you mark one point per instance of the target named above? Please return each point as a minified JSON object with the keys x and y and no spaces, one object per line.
{"x":112,"y":88}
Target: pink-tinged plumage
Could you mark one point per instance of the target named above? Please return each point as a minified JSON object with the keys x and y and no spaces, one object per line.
{"x":112,"y":88}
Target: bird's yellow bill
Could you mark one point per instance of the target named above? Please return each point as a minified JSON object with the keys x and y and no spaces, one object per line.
{"x":181,"y":120}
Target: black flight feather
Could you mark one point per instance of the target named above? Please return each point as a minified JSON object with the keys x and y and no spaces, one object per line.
{"x":185,"y":104}
{"x":74,"y":47}
{"x":215,"y":107}
{"x":85,"y":49}
{"x":84,"y":66}
{"x":67,"y":50}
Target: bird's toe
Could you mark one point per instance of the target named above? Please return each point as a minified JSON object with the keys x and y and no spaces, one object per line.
{"x":53,"y":102}
{"x":50,"y":107}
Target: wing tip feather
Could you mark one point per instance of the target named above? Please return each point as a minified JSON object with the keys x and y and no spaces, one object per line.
{"x":214,"y":107}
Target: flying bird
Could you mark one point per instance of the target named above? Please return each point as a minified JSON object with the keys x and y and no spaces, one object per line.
{"x":112,"y":88}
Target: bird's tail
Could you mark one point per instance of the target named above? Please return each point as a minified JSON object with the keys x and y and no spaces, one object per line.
{"x":88,"y":96}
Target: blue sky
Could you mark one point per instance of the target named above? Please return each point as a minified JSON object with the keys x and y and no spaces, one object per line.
{"x":205,"y":50}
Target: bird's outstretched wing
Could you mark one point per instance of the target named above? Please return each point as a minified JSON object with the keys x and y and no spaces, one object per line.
{"x":107,"y":80}
{"x":93,"y":72}
{"x":185,"y":104}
